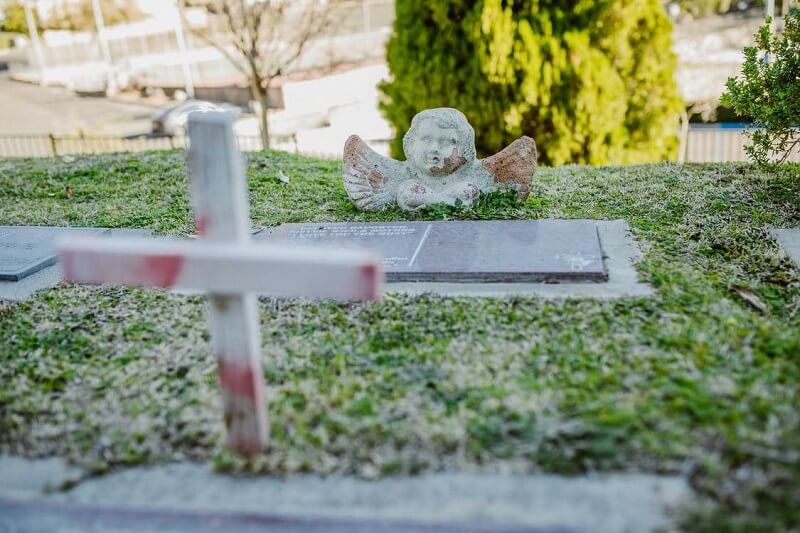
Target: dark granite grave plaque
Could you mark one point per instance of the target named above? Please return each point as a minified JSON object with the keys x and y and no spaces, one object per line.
{"x":25,"y":250}
{"x":481,"y":251}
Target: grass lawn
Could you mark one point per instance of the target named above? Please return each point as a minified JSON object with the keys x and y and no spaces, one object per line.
{"x":695,"y":380}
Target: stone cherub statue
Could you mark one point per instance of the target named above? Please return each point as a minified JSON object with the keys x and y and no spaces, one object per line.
{"x":441,"y":166}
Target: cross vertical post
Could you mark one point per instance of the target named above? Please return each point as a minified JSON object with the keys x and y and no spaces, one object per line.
{"x":221,"y":212}
{"x":231,"y":268}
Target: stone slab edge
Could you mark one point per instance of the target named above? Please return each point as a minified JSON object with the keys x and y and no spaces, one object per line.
{"x":51,"y":276}
{"x":46,"y":516}
{"x":620,"y":253}
{"x":600,"y":503}
{"x":789,"y":239}
{"x":41,"y":265}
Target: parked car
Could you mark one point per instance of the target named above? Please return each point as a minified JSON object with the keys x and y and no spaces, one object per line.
{"x":172,"y":121}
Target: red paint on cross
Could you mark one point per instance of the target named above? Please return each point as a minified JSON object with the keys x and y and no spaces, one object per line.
{"x":148,"y":270}
{"x":245,"y":408}
{"x":371,"y":276}
{"x":161,"y":270}
{"x":236,"y":377}
{"x":201,"y":225}
{"x":67,"y":260}
{"x":245,"y":444}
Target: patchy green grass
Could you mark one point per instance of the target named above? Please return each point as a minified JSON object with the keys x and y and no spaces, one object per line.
{"x":693,"y":380}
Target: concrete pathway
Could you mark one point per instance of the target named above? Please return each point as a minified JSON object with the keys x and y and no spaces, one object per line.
{"x":184,"y":495}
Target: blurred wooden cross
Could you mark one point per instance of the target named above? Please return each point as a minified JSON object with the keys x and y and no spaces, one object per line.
{"x":232,"y":269}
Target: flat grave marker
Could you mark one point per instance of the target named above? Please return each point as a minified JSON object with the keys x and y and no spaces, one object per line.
{"x":493,"y":251}
{"x":25,"y":250}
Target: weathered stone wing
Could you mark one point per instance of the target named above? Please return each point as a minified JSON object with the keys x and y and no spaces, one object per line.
{"x":514,"y":166}
{"x":367,"y":175}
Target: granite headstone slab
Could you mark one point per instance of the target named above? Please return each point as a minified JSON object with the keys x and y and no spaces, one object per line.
{"x":466,"y":251}
{"x":25,"y":250}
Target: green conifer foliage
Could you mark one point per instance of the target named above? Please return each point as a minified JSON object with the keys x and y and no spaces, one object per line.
{"x":590,"y":80}
{"x":768,"y":91}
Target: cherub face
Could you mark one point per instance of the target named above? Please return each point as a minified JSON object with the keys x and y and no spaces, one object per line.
{"x":435,"y":150}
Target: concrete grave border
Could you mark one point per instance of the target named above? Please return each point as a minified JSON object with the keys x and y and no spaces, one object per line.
{"x":446,"y":501}
{"x":620,"y":251}
{"x":789,"y":239}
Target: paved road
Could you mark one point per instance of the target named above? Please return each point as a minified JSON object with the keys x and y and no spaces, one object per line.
{"x":27,"y":109}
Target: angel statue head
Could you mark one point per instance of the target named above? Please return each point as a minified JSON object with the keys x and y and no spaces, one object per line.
{"x":439,"y":141}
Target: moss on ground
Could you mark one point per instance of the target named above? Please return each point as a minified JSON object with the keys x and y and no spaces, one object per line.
{"x":697,"y":380}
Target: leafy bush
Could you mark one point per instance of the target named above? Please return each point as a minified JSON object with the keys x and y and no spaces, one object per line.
{"x":73,"y":16}
{"x":590,"y":81}
{"x":768,"y":91}
{"x":12,"y":18}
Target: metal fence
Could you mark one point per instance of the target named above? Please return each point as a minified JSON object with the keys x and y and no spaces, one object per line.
{"x":50,"y":145}
{"x":714,"y":144}
{"x":704,"y":145}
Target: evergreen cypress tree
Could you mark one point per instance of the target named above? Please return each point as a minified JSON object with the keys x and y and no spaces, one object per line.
{"x":590,"y":80}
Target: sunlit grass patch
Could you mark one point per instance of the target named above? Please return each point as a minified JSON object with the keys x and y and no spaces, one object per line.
{"x":693,"y":380}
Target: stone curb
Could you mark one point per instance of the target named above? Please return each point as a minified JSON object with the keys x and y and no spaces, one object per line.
{"x":442,"y":501}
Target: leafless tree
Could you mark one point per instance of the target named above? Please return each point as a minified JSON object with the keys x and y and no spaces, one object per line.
{"x":263,"y":39}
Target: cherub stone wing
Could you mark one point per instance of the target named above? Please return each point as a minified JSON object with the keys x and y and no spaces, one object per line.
{"x":368,"y":175}
{"x":514,"y":166}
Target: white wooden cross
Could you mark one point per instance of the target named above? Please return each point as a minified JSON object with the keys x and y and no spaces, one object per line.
{"x":230,"y":267}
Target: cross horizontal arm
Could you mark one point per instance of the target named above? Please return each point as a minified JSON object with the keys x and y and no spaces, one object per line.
{"x":223,"y":268}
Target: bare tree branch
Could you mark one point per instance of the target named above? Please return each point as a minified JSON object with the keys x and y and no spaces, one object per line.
{"x":220,"y":47}
{"x":316,"y":21}
{"x":266,"y":39}
{"x":234,"y":22}
{"x":788,"y":152}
